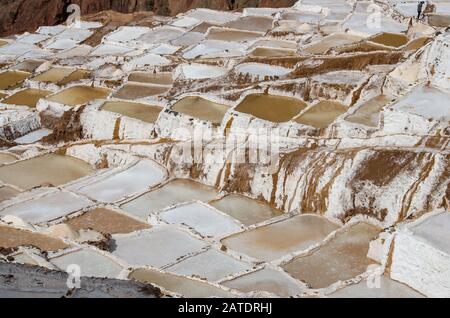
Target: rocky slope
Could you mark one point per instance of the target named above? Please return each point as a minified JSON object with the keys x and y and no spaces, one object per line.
{"x":18,"y":16}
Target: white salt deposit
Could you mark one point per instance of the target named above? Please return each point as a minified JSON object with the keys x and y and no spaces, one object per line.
{"x":201,"y":71}
{"x":159,"y":246}
{"x":202,"y":218}
{"x":137,"y":178}
{"x":48,"y":207}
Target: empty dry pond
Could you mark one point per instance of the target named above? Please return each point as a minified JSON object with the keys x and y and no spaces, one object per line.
{"x":322,"y":114}
{"x":270,"y":107}
{"x":107,"y":221}
{"x":245,"y":210}
{"x":201,"y":108}
{"x":11,"y":238}
{"x":78,"y":95}
{"x":278,"y":239}
{"x":144,"y":112}
{"x":342,"y":258}
{"x":28,"y":97}
{"x":48,"y":169}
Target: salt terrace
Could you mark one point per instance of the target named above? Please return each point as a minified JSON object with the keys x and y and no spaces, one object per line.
{"x":100,"y":165}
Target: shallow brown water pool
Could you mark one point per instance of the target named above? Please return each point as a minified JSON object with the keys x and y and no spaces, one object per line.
{"x":78,"y":95}
{"x":270,"y":107}
{"x":136,"y":91}
{"x":342,"y":258}
{"x":50,"y":169}
{"x":322,"y":114}
{"x":28,"y":97}
{"x":201,"y":108}
{"x":144,"y":112}
{"x":12,"y":79}
{"x":151,"y":78}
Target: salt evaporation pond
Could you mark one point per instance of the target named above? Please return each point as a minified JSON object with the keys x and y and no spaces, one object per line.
{"x":201,"y":108}
{"x":78,"y":95}
{"x":202,"y":218}
{"x":141,"y":176}
{"x":54,"y":75}
{"x":28,"y":97}
{"x":144,"y":112}
{"x":178,"y":284}
{"x":50,"y":169}
{"x":107,"y":221}
{"x":48,"y":207}
{"x":388,"y":288}
{"x":245,"y":210}
{"x":273,"y":241}
{"x":322,"y":114}
{"x":91,"y":263}
{"x":173,"y":192}
{"x":132,"y":91}
{"x":333,"y":40}
{"x":270,"y":107}
{"x":271,"y":52}
{"x":7,"y":158}
{"x":7,"y":193}
{"x":222,"y":34}
{"x":163,"y":78}
{"x":158,"y":247}
{"x":12,"y":238}
{"x":369,"y":113}
{"x":251,"y":23}
{"x":390,"y":39}
{"x":12,"y":79}
{"x":269,"y":280}
{"x":262,"y":70}
{"x":211,"y":265}
{"x":343,"y":258}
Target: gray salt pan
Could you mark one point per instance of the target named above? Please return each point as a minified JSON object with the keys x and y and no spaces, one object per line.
{"x":92,"y":263}
{"x":158,"y":247}
{"x":269,"y":280}
{"x":139,"y":177}
{"x":245,"y":210}
{"x":211,"y":265}
{"x":174,"y":192}
{"x":48,"y":208}
{"x":202,"y":218}
{"x":181,"y":285}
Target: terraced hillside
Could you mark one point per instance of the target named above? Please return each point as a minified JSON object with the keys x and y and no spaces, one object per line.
{"x":298,"y":151}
